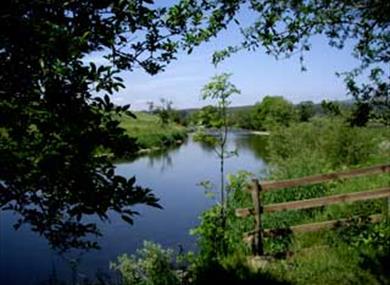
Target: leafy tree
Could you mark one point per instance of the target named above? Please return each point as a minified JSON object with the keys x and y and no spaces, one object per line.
{"x":167,"y":113}
{"x":164,"y":111}
{"x":285,"y":28}
{"x":220,"y":89}
{"x":274,"y":111}
{"x":56,"y":111}
{"x":331,"y":108}
{"x":208,"y":117}
{"x":360,"y":114}
{"x":306,"y":111}
{"x":244,"y":118}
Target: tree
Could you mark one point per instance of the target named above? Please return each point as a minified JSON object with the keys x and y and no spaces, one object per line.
{"x":220,"y":89}
{"x":285,"y":28}
{"x":274,"y":111}
{"x":306,"y":111}
{"x":207,"y":116}
{"x":164,"y":111}
{"x":331,"y":108}
{"x":56,"y":112}
{"x":360,"y":114}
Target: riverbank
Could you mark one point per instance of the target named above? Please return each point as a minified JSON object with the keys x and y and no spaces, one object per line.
{"x":260,"y":133}
{"x":344,"y":255}
{"x":150,"y":134}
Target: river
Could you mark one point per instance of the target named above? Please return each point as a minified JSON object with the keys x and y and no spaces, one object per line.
{"x":25,"y":258}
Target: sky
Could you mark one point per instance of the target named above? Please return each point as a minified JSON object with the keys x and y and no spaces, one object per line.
{"x":254,"y":73}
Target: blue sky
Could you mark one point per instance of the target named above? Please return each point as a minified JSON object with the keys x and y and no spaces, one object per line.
{"x":254,"y":73}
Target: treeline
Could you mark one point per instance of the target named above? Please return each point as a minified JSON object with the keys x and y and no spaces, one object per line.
{"x":276,"y":111}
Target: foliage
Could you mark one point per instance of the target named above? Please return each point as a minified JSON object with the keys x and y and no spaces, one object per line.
{"x":207,"y":139}
{"x":284,"y":28}
{"x":164,"y":111}
{"x":351,"y":254}
{"x":244,"y":119}
{"x":361,"y":233}
{"x":330,"y":108}
{"x":330,"y":143}
{"x":56,"y":112}
{"x":147,"y":132}
{"x":360,"y":114}
{"x":323,"y":264}
{"x":151,"y":265}
{"x":322,"y":146}
{"x":220,"y":89}
{"x":207,"y":116}
{"x":306,"y":111}
{"x":210,"y":234}
{"x":273,"y":111}
{"x":218,"y":237}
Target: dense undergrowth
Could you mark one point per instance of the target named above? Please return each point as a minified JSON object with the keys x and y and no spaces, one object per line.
{"x":356,"y":253}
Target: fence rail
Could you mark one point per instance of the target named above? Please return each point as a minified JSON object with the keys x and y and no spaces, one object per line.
{"x":256,"y":236}
{"x":306,"y":228}
{"x":316,"y":179}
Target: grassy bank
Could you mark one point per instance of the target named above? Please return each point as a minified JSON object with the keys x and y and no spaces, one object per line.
{"x":355,"y":254}
{"x":150,"y":133}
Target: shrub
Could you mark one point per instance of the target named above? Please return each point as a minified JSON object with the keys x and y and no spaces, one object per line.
{"x":151,"y":265}
{"x":219,"y":237}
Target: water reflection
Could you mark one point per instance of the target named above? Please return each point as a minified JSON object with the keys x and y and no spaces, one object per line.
{"x":162,"y":158}
{"x":256,"y":143}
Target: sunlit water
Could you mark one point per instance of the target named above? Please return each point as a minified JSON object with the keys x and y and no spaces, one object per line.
{"x":25,"y":258}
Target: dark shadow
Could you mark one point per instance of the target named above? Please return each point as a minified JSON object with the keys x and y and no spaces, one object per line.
{"x":378,"y":265}
{"x":216,"y":274}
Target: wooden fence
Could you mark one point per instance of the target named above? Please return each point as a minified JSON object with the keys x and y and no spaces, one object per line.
{"x":256,"y":236}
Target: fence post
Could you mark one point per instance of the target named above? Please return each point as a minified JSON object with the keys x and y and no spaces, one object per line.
{"x":388,"y":211}
{"x":257,"y":246}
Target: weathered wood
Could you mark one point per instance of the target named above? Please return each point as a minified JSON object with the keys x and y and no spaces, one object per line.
{"x":255,"y":237}
{"x":316,"y":179}
{"x":305,"y":228}
{"x":258,"y":237}
{"x":244,"y":212}
{"x":388,"y":210}
{"x":323,"y":201}
{"x":314,"y":227}
{"x":318,"y":202}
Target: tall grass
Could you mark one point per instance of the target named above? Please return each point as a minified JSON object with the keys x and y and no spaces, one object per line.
{"x":344,"y":256}
{"x":149,"y":132}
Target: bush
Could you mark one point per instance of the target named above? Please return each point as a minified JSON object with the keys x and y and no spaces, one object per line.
{"x":151,"y":265}
{"x":273,"y":112}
